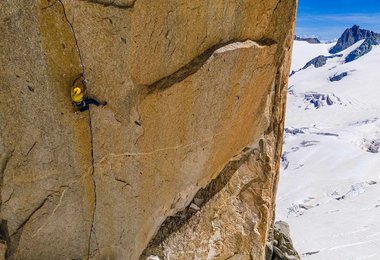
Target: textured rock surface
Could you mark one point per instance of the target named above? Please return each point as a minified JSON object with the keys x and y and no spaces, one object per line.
{"x":3,"y":249}
{"x":281,"y":246}
{"x":339,"y":76}
{"x":317,"y":62}
{"x":363,"y":49}
{"x":190,"y":85}
{"x":351,"y":36}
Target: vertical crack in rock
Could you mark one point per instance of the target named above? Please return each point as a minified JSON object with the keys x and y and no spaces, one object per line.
{"x":75,"y":38}
{"x":196,"y":64}
{"x":174,"y":223}
{"x":112,"y":3}
{"x":92,"y":228}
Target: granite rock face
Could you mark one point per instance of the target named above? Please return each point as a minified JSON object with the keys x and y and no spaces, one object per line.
{"x":281,"y":247}
{"x":195,"y":90}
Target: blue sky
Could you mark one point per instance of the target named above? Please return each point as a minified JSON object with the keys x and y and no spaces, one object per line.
{"x":327,"y":19}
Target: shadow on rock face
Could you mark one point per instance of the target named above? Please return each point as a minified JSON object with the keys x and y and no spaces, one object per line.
{"x":280,"y":245}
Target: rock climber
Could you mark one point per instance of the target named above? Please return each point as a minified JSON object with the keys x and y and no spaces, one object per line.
{"x":78,"y":95}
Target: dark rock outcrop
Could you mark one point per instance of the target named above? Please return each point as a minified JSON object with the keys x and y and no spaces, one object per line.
{"x":317,"y":62}
{"x":351,"y":36}
{"x":293,"y":72}
{"x":320,"y":61}
{"x":281,"y":247}
{"x":309,"y":39}
{"x":338,"y":77}
{"x":363,"y":49}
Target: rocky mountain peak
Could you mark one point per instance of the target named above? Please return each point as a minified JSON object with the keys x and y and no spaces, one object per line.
{"x":351,"y":36}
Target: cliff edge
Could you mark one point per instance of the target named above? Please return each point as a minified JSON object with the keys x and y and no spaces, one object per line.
{"x":183,"y":161}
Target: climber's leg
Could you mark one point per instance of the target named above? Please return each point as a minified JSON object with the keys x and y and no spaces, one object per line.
{"x":89,"y":101}
{"x":83,"y":106}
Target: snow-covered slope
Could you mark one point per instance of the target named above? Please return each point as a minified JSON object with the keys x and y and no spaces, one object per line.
{"x":309,"y":51}
{"x":329,"y":189}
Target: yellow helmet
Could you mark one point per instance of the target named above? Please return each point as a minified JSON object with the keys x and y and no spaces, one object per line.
{"x":77,"y":94}
{"x":77,"y":90}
